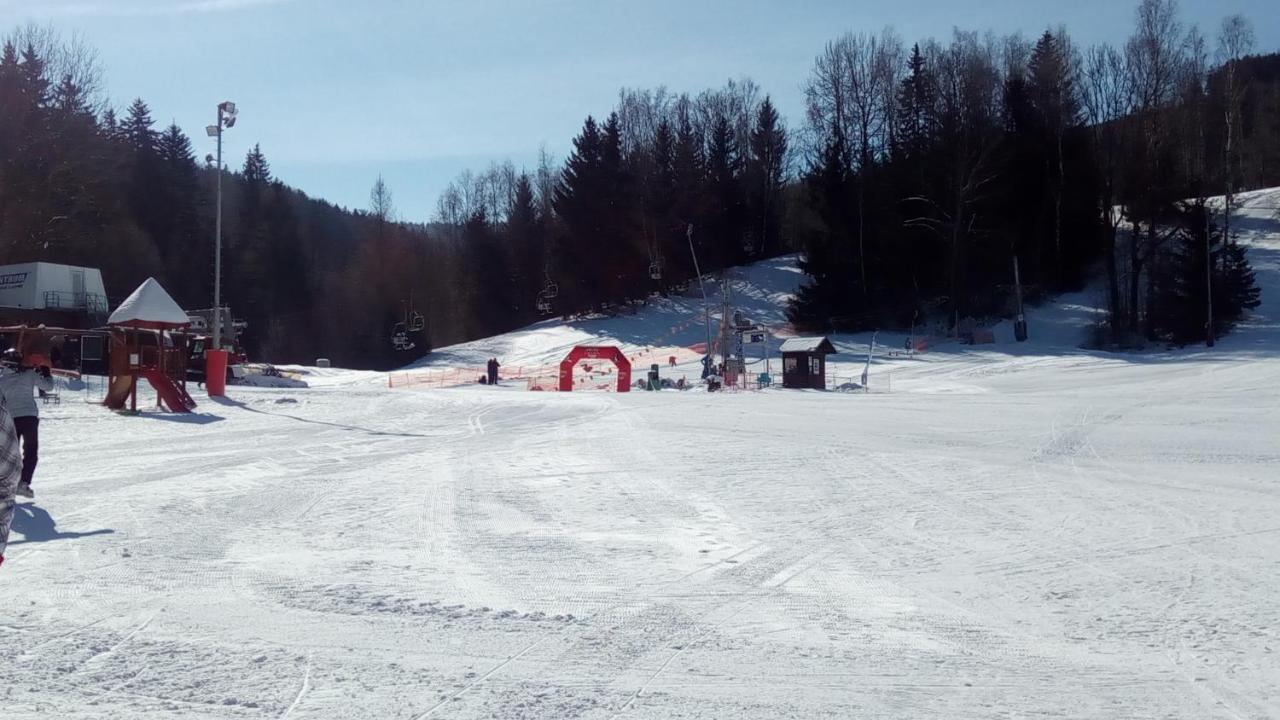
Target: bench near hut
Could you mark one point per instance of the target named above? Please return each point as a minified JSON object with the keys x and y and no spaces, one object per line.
{"x":804,"y":362}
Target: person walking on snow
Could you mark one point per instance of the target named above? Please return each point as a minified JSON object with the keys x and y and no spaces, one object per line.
{"x":10,"y":474}
{"x":17,"y":386}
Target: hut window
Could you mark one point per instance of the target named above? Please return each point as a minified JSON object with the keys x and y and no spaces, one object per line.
{"x":815,"y":366}
{"x":790,"y":365}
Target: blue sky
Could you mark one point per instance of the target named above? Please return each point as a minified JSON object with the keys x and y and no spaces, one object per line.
{"x":338,"y":91}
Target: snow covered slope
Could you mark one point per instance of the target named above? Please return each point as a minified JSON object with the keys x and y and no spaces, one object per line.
{"x":671,"y":325}
{"x":1015,"y":531}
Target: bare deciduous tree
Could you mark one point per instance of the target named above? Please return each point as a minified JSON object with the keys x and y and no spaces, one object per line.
{"x":380,"y":205}
{"x":1235,"y":41}
{"x":1155,"y":56}
{"x":1107,"y":98}
{"x":852,"y":86}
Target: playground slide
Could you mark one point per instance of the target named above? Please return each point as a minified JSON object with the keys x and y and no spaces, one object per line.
{"x":171,"y":393}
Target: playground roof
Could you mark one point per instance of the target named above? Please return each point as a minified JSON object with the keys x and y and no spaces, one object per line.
{"x":808,"y":345}
{"x":150,"y":307}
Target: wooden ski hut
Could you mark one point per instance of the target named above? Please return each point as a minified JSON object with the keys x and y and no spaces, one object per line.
{"x":804,"y":362}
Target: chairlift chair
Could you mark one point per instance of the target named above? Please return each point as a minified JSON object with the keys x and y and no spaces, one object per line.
{"x":544,"y":305}
{"x":551,"y":290}
{"x":655,"y":271}
{"x":416,"y":321}
{"x":400,"y":337}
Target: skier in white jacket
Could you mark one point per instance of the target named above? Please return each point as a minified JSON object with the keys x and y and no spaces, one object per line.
{"x":10,"y":473}
{"x":18,"y":385}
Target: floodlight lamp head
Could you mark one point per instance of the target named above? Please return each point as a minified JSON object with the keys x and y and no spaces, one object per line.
{"x":227,"y":107}
{"x":229,"y":121}
{"x":212,"y":130}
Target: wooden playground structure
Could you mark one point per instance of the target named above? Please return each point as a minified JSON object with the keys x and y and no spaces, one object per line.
{"x":126,"y":355}
{"x":149,"y":340}
{"x":145,"y":338}
{"x":159,"y":357}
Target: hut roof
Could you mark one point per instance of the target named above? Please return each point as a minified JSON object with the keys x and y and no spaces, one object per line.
{"x":151,"y":307}
{"x":808,"y":345}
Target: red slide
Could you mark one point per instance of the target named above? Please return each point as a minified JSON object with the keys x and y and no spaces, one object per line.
{"x":171,"y":394}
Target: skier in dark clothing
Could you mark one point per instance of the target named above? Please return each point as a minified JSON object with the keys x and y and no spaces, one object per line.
{"x":493,"y":371}
{"x":17,"y":385}
{"x":10,"y":473}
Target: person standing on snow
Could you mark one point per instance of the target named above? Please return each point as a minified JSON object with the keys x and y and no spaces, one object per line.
{"x":10,"y":474}
{"x":493,"y":371}
{"x":17,"y":386}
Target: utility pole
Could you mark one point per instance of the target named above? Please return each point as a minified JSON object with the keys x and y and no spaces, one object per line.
{"x":1020,"y":321}
{"x":706,"y":305}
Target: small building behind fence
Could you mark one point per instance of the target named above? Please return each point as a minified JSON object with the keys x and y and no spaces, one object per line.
{"x":804,"y":362}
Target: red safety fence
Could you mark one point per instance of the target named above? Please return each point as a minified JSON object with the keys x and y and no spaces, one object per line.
{"x":456,"y":377}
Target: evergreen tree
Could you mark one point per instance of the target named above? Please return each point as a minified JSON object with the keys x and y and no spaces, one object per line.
{"x":256,"y":170}
{"x":187,"y":251}
{"x":915,"y":131}
{"x":490,"y":287}
{"x":620,"y":245}
{"x":580,"y":207}
{"x":827,"y":299}
{"x":527,"y":246}
{"x":665,"y":225}
{"x":766,"y":175}
{"x":1180,"y":309}
{"x":1053,"y":96}
{"x":146,"y":174}
{"x":110,"y":125}
{"x":35,"y":84}
{"x":137,"y":128}
{"x":690,"y":192}
{"x":69,"y":99}
{"x":725,"y":193}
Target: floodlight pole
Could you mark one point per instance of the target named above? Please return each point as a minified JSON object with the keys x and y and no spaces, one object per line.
{"x":226,"y":118}
{"x":217,"y":253}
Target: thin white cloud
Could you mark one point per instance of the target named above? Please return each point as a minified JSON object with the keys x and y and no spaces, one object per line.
{"x":131,"y":8}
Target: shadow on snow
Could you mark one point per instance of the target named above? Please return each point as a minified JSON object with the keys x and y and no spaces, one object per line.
{"x":37,"y":525}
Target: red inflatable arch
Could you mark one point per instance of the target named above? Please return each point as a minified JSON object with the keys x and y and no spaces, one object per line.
{"x":595,"y":352}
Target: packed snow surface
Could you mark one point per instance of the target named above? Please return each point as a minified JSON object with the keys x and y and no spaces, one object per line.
{"x":1015,"y":530}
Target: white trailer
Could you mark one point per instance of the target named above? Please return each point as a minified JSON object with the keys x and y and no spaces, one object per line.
{"x":49,"y":286}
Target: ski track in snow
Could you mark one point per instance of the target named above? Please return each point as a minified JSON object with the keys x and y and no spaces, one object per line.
{"x":1015,"y":530}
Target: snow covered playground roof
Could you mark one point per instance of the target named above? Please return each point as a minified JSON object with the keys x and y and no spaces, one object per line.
{"x":151,"y":307}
